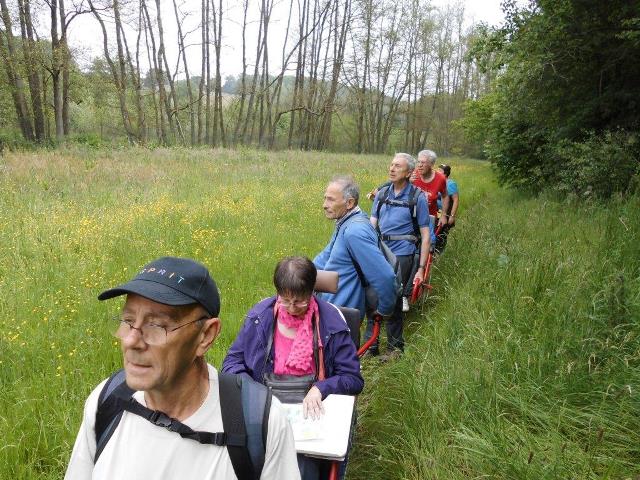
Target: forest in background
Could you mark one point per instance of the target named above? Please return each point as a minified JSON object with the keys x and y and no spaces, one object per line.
{"x":350,"y":75}
{"x":550,"y":96}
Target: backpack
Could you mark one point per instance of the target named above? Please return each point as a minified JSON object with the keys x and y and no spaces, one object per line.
{"x":245,"y":406}
{"x":411,"y":204}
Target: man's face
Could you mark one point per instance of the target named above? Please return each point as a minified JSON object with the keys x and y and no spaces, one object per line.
{"x":335,"y":206}
{"x":424,"y":165}
{"x":399,"y":169}
{"x":159,"y":368}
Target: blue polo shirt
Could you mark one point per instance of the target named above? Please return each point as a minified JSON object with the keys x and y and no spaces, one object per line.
{"x":396,"y":220}
{"x":452,"y":187}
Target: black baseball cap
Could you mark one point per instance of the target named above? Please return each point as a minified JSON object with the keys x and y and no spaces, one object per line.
{"x":172,"y":281}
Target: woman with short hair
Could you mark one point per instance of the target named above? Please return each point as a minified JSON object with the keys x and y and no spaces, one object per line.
{"x":296,"y":334}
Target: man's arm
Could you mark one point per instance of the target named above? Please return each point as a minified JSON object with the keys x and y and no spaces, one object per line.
{"x":454,"y":209}
{"x":280,"y":460}
{"x":452,"y":188}
{"x":363,"y":245}
{"x":445,"y":207}
{"x":425,"y":245}
{"x":422,"y":214}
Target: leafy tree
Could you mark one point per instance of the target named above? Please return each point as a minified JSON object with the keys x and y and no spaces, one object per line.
{"x":567,"y":74}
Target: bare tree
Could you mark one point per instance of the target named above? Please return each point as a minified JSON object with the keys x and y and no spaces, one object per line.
{"x":118,"y":72}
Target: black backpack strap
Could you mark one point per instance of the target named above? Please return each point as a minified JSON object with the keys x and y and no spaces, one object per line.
{"x":413,"y":208}
{"x":256,"y":406}
{"x":384,"y":197}
{"x":161,"y":419}
{"x":109,"y":411}
{"x":245,"y":406}
{"x":233,"y":422}
{"x":414,"y":192}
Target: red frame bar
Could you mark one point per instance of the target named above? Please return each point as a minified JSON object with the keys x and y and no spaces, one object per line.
{"x":420,"y":287}
{"x":377,"y":320}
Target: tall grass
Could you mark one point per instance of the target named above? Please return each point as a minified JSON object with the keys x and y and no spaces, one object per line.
{"x":526,"y":363}
{"x":522,"y":363}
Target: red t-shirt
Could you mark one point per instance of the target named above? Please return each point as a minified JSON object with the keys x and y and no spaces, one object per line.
{"x":431,"y":190}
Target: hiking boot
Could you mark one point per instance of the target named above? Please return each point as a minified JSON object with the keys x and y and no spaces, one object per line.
{"x":390,"y":355}
{"x":372,"y":352}
{"x":405,"y":304}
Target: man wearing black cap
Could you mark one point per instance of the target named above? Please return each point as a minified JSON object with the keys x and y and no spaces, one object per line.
{"x":168,"y":323}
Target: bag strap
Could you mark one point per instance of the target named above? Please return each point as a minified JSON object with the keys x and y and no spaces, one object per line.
{"x":319,"y":355}
{"x":411,"y":204}
{"x":233,"y":423}
{"x":109,"y":411}
{"x":245,"y":408}
{"x":384,"y":196}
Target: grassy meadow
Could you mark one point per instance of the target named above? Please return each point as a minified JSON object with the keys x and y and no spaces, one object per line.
{"x":523,"y":363}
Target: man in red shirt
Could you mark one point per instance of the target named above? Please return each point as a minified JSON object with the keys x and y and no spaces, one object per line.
{"x":431,"y":182}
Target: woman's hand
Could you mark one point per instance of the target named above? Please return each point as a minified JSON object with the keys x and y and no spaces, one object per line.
{"x":312,"y":404}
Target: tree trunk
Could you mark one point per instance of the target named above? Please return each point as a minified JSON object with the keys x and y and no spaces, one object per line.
{"x":118,"y":80}
{"x":203,"y":65}
{"x":31,"y":67}
{"x":163,"y":102}
{"x":65,"y":58}
{"x":243,"y":78}
{"x":55,"y":72}
{"x":163,"y":64}
{"x":183,"y":53}
{"x":15,"y":80}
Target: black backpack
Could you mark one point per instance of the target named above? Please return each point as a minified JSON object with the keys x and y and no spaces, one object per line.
{"x":245,"y":406}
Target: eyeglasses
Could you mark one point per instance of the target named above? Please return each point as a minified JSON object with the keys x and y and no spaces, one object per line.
{"x":152,"y":333}
{"x":295,"y":303}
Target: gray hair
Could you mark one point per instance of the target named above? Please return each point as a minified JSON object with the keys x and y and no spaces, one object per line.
{"x":430,"y":155}
{"x":411,"y":162}
{"x":349,"y":187}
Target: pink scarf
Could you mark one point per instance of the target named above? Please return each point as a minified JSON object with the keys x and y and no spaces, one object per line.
{"x":301,"y":354}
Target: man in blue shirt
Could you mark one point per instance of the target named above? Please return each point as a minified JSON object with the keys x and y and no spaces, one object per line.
{"x":450,"y":214}
{"x":398,"y":211}
{"x":354,"y":240}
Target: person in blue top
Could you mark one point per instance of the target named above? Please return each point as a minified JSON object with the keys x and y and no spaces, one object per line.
{"x":398,"y":211}
{"x":450,"y":214}
{"x":354,"y":239}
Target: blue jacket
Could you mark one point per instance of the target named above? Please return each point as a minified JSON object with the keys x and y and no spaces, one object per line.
{"x":354,"y":234}
{"x":249,"y":355}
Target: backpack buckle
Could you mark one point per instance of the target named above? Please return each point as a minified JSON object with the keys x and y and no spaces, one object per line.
{"x":160,"y":419}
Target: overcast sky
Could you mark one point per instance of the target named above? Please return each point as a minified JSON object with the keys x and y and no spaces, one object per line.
{"x":86,"y":36}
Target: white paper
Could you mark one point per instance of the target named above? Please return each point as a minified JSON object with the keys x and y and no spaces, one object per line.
{"x":327,"y":437}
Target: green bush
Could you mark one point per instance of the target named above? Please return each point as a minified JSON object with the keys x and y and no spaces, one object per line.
{"x":13,"y":140}
{"x":601,"y":165}
{"x":89,"y":139}
{"x":564,"y":110}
